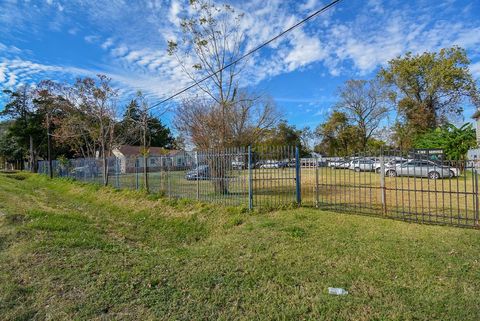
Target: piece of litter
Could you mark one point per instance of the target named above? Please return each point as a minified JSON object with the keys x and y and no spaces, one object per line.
{"x":337,"y":291}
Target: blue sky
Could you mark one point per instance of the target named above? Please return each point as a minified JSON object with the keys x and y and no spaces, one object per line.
{"x":126,"y":40}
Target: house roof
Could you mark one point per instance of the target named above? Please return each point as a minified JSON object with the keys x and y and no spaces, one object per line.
{"x":128,"y":150}
{"x":476,"y":115}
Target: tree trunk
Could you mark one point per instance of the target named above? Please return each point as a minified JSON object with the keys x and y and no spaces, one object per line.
{"x":145,"y":171}
{"x":32,"y":156}
{"x":217,"y":165}
{"x":49,"y":149}
{"x":105,"y":165}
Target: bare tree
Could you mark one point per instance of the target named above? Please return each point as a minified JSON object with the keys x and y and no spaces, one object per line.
{"x":365,"y":104}
{"x":212,"y":39}
{"x":91,"y":118}
{"x":50,"y":101}
{"x":245,"y":122}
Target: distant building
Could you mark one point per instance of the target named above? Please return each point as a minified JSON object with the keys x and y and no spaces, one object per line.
{"x":476,"y":116}
{"x":131,"y":158}
{"x":474,"y":154}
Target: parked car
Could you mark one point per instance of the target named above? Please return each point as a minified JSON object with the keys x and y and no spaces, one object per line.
{"x":238,"y":165}
{"x":308,"y":162}
{"x":202,"y":172}
{"x":291,"y":163}
{"x":390,"y":164}
{"x":341,"y":163}
{"x":422,"y":168}
{"x":362,"y":165}
{"x":274,"y":164}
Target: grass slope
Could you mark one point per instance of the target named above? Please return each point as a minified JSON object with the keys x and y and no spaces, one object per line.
{"x":72,"y":251}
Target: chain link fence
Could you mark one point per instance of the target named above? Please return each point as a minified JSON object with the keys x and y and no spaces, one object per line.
{"x":406,"y":186}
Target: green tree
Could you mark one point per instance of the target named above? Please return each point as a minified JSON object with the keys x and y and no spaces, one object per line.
{"x":429,"y":88}
{"x":26,"y":128}
{"x":158,"y":135}
{"x":455,"y":141}
{"x":10,"y":149}
{"x":337,"y":136}
{"x":285,"y":135}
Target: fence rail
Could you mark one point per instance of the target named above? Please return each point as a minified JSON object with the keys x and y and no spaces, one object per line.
{"x":387,"y":184}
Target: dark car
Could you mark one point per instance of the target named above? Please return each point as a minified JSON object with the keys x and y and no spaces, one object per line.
{"x":202,"y":172}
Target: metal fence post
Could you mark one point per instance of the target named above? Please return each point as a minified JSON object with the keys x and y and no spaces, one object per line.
{"x":170,"y":159}
{"x":250,"y":179}
{"x":317,"y":192}
{"x":297,"y":176}
{"x":136,"y":173}
{"x":117,"y":180}
{"x":198,"y":174}
{"x":382,"y":184}
{"x":475,"y":172}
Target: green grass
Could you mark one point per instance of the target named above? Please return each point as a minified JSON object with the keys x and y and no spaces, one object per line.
{"x":70,"y":251}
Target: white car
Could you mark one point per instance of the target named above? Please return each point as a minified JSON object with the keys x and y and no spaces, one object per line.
{"x":390,"y":164}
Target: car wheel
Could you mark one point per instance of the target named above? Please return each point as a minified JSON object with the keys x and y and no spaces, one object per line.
{"x":433,"y":175}
{"x":357,"y":169}
{"x":378,"y":170}
{"x":452,"y":174}
{"x":391,"y":173}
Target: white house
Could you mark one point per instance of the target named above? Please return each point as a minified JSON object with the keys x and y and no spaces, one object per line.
{"x":131,"y":158}
{"x":474,"y":154}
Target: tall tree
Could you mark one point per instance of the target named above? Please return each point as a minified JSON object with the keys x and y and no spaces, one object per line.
{"x":337,"y":136}
{"x":285,"y":135}
{"x":91,"y":118}
{"x":12,"y":151}
{"x":365,"y":105}
{"x":144,"y":129}
{"x":27,"y":125}
{"x":244,"y":123}
{"x":212,"y":39}
{"x":429,"y":88}
{"x":50,"y":102}
{"x":158,"y":135}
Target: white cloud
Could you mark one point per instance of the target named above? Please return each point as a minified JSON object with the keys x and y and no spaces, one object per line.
{"x":134,"y":36}
{"x":107,"y":44}
{"x":92,"y":38}
{"x":3,"y":70}
{"x":475,"y":70}
{"x":73,"y":31}
{"x":308,"y":5}
{"x":175,"y":8}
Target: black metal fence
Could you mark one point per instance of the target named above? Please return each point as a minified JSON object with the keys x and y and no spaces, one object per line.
{"x":410,"y":187}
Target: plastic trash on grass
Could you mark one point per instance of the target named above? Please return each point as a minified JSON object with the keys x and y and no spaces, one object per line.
{"x":337,"y":291}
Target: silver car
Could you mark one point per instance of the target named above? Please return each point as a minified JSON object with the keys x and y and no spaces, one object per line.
{"x":342,"y":163}
{"x":363,"y":165}
{"x":421,"y":168}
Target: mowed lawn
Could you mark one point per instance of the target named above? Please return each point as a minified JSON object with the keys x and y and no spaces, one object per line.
{"x":71,"y":251}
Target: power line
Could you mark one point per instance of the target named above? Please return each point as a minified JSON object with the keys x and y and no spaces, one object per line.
{"x":323,"y":9}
